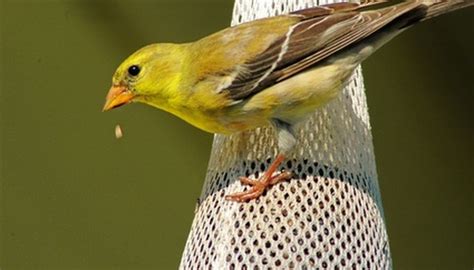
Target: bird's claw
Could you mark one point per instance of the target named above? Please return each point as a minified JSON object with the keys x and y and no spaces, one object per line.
{"x":257,"y":186}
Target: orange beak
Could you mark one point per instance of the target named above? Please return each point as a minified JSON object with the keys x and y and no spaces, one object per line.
{"x":118,"y":95}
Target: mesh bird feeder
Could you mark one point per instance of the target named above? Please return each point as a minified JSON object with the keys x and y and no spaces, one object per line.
{"x":329,"y":216}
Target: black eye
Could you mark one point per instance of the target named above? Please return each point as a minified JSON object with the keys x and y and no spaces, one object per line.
{"x":134,"y":70}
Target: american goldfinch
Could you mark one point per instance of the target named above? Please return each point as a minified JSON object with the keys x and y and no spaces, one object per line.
{"x":272,"y":71}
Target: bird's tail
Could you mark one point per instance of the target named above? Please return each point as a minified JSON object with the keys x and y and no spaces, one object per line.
{"x":404,"y":15}
{"x":439,"y":7}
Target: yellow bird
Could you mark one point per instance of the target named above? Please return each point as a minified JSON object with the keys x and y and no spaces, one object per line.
{"x":272,"y":71}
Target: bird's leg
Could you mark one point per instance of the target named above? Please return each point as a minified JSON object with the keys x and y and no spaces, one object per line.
{"x":286,"y":141}
{"x":259,"y":186}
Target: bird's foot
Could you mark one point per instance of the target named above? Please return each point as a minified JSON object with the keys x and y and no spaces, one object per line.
{"x":257,"y":186}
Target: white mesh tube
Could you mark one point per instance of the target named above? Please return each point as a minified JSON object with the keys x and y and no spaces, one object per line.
{"x":328,"y":216}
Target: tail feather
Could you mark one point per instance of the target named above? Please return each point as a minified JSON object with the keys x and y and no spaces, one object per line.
{"x":435,"y":8}
{"x":407,"y":14}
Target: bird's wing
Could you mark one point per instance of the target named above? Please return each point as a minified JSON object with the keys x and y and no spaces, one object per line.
{"x":313,"y":35}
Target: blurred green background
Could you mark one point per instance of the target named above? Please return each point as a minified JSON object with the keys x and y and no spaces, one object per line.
{"x":74,"y":197}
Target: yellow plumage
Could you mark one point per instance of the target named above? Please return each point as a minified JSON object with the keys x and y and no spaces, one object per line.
{"x":270,"y":71}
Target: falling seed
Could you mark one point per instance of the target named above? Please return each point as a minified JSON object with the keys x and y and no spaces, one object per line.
{"x":118,"y":132}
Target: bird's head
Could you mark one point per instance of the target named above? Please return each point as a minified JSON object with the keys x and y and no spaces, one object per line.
{"x":149,"y":75}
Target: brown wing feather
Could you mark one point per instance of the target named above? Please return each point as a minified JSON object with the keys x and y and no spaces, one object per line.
{"x":301,"y":44}
{"x":368,"y":23}
{"x":321,"y":32}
